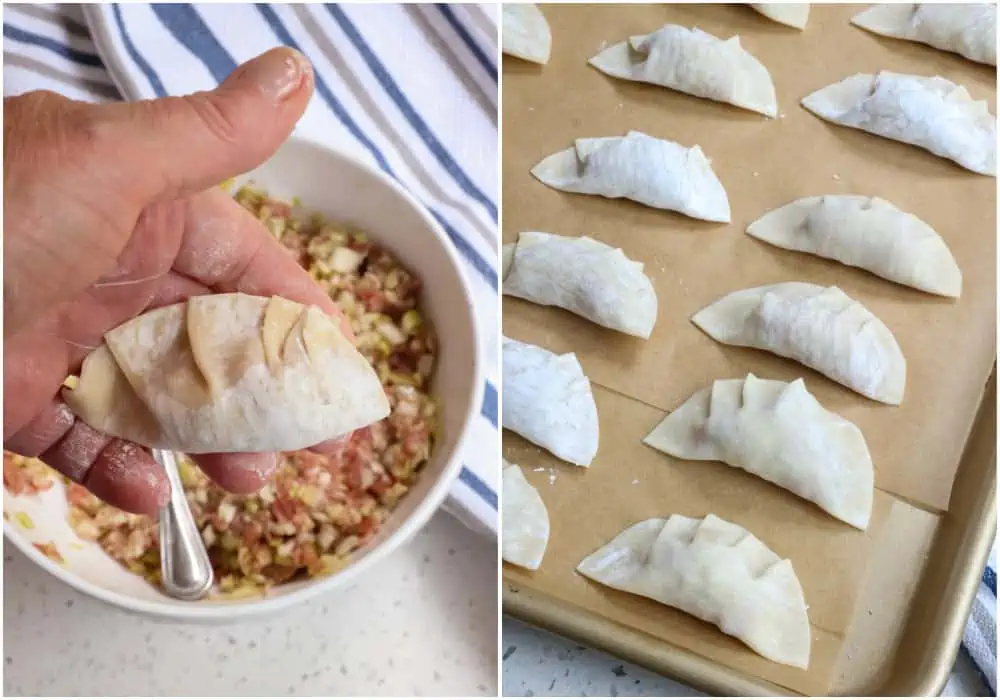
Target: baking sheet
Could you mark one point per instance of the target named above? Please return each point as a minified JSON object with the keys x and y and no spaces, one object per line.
{"x":949,"y":345}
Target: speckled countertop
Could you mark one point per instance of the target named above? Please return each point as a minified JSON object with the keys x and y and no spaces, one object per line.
{"x":536,"y":663}
{"x":423,"y":622}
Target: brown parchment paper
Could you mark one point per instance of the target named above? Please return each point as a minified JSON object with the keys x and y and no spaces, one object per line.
{"x":763,"y":163}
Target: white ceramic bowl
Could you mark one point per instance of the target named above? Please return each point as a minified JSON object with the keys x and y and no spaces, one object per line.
{"x":360,"y":196}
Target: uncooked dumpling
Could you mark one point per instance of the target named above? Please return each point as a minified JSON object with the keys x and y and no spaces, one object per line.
{"x":228,"y":373}
{"x":584,"y":276}
{"x":548,"y":400}
{"x":821,"y":327}
{"x":932,"y":113}
{"x":969,"y":30}
{"x":524,"y":519}
{"x":865,"y":232}
{"x":715,"y":571}
{"x":780,"y":432}
{"x":792,"y":14}
{"x":651,"y":171}
{"x":525,"y":33}
{"x":695,"y":62}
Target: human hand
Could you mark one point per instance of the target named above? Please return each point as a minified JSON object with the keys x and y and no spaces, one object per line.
{"x":111,"y":210}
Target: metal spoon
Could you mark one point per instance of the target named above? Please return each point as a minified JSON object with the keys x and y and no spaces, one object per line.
{"x":184,"y":564}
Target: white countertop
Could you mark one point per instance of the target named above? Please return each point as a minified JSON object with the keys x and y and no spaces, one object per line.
{"x":423,"y":622}
{"x":536,"y":663}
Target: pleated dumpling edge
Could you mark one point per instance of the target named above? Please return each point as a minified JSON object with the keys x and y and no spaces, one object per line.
{"x":865,"y":232}
{"x":779,"y":432}
{"x":716,"y":571}
{"x":820,"y":327}
{"x":655,"y":172}
{"x":932,"y":113}
{"x":694,"y":62}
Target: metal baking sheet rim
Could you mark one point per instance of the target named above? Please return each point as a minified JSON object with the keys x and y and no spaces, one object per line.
{"x":951,"y":608}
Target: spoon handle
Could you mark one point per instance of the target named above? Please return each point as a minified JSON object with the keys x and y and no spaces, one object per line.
{"x":184,"y":564}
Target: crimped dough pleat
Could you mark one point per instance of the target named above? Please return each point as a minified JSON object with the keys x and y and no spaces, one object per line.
{"x":587,"y":277}
{"x":932,"y":113}
{"x":779,"y":432}
{"x":865,"y":232}
{"x":716,"y":571}
{"x":694,"y":62}
{"x":822,"y":328}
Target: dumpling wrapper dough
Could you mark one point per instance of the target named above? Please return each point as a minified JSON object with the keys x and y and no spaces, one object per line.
{"x":779,"y":432}
{"x":790,"y":14}
{"x":525,"y":32}
{"x":865,"y":232}
{"x":584,"y":276}
{"x":932,"y":113}
{"x":715,"y":571}
{"x":968,"y":29}
{"x":228,"y":373}
{"x":694,"y":62}
{"x":655,"y":172}
{"x":525,"y":520}
{"x":548,"y":400}
{"x":820,"y":327}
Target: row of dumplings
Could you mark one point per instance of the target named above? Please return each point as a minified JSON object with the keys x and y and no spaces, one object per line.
{"x":966,"y":29}
{"x":932,"y":113}
{"x":775,"y":430}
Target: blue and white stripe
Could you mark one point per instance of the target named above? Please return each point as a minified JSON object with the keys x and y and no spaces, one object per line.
{"x":980,"y":639}
{"x":411,"y":90}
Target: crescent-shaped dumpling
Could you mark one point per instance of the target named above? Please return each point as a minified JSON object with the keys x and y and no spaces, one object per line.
{"x":587,"y":277}
{"x":525,"y":33}
{"x":548,"y":400}
{"x":968,"y":29}
{"x":790,"y":14}
{"x":655,"y":172}
{"x":932,"y":113}
{"x":525,"y":520}
{"x":821,"y":327}
{"x":715,"y":571}
{"x":779,"y":432}
{"x":695,"y":62}
{"x":865,"y":232}
{"x":228,"y":373}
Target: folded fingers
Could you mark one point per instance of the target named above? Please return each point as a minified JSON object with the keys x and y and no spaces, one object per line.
{"x":118,"y":472}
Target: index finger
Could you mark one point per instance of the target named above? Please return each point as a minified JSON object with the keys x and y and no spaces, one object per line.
{"x":226,"y":248}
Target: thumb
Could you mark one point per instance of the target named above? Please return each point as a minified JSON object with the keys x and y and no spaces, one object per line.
{"x":194,"y":142}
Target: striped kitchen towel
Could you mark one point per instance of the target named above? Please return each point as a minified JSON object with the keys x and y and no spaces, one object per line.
{"x":411,"y":89}
{"x":980,"y":638}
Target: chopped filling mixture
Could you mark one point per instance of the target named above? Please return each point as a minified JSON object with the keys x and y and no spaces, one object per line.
{"x":317,"y":509}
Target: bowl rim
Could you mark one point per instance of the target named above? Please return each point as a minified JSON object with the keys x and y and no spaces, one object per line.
{"x":197,"y":611}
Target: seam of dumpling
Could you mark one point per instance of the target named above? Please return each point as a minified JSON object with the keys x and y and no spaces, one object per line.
{"x":274,"y":363}
{"x":188,"y":348}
